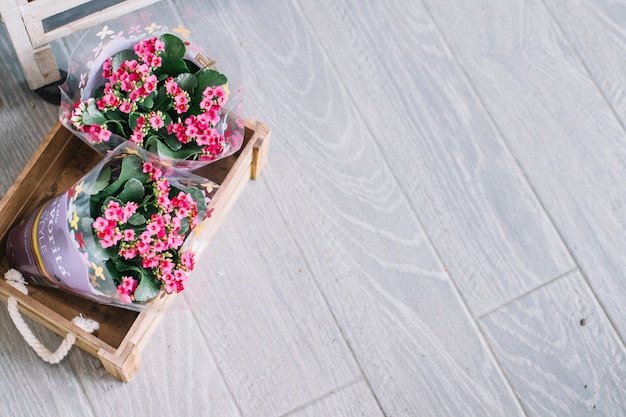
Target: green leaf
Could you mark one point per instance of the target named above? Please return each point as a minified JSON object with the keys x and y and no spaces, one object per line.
{"x":210,"y":78}
{"x":193,"y":67}
{"x":115,"y":126}
{"x":151,"y":143}
{"x":172,"y":67}
{"x":184,"y":153}
{"x":184,"y":226}
{"x":174,"y":46}
{"x":132,"y":119}
{"x":173,"y":142}
{"x":137,"y":219}
{"x":147,"y":289}
{"x":93,"y":116}
{"x":100,"y":183}
{"x":162,"y":101}
{"x":133,"y":191}
{"x":148,"y":102}
{"x":132,"y":167}
{"x":172,"y":62}
{"x":199,"y":197}
{"x":125,"y":55}
{"x":123,"y":265}
{"x":113,"y":114}
{"x":186,"y":81}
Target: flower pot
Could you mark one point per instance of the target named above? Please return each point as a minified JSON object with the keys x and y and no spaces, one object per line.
{"x":119,"y":235}
{"x":42,"y":247}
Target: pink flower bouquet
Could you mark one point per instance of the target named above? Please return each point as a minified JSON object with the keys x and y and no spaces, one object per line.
{"x":120,"y":235}
{"x":155,"y":90}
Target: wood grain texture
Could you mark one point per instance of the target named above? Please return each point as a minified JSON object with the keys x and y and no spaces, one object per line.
{"x":178,"y":375}
{"x":263,"y":316}
{"x":574,"y":149}
{"x":462,"y":182}
{"x":358,"y":233}
{"x":25,"y":117}
{"x":404,"y":141}
{"x":30,"y":387}
{"x":597,"y":32}
{"x":351,"y":401}
{"x":563,"y":358}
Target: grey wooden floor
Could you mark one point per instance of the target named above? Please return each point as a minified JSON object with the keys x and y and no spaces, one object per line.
{"x":440,"y":230}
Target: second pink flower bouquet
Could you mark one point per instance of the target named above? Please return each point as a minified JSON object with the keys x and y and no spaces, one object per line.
{"x":120,"y":235}
{"x":159,"y":100}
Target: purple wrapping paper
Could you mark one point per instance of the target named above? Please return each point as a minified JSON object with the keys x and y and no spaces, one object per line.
{"x":43,"y":250}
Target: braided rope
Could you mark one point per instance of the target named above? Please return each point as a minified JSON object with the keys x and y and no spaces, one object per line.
{"x":15,"y":279}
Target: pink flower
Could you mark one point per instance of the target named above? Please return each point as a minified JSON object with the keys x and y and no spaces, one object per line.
{"x":128,"y":210}
{"x":188,"y":260}
{"x":171,"y":87}
{"x":126,"y":107}
{"x":147,"y":167}
{"x":155,"y":61}
{"x":156,"y":121}
{"x":166,"y":266}
{"x":126,"y":289}
{"x":153,"y":228}
{"x":143,"y":248}
{"x":163,"y":201}
{"x":145,"y":237}
{"x":137,"y":137}
{"x":181,"y":98}
{"x":149,"y":84}
{"x":128,"y":253}
{"x":129,"y":284}
{"x":175,"y":241}
{"x":191,"y":131}
{"x":100,"y":224}
{"x":129,"y":235}
{"x":150,"y":261}
{"x":113,"y":211}
{"x":160,"y":246}
{"x":134,"y":96}
{"x":181,"y":108}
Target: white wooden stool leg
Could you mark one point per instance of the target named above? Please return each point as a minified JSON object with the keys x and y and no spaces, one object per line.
{"x":39,"y":65}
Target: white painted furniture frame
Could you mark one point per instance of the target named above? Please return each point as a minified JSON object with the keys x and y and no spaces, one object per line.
{"x":24,"y":23}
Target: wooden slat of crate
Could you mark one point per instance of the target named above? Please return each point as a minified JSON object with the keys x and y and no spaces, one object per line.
{"x":59,"y":161}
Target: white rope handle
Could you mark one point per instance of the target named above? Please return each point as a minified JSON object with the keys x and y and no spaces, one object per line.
{"x":15,"y":279}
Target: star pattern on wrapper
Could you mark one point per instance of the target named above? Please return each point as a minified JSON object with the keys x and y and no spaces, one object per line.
{"x":135,"y":29}
{"x":98,"y":271}
{"x":98,"y":49}
{"x":104,"y":32}
{"x":74,"y":222}
{"x":80,"y":240}
{"x":78,"y":189}
{"x":94,"y":281}
{"x":182,"y":31}
{"x":152,"y":27}
{"x":83,"y":80}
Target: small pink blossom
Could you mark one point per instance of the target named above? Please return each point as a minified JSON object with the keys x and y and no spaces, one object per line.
{"x":129,"y":235}
{"x":156,"y":121}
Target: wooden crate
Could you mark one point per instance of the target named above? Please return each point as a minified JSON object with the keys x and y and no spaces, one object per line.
{"x":56,"y":165}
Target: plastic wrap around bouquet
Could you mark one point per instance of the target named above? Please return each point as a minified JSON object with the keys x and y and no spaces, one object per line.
{"x":121,"y":235}
{"x":149,"y":84}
